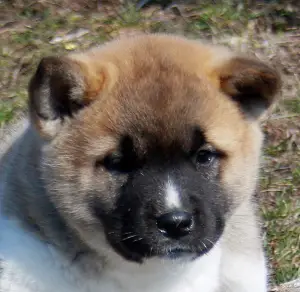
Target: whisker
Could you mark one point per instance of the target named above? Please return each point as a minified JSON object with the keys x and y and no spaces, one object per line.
{"x":203,"y":244}
{"x":151,"y":249}
{"x":139,"y":239}
{"x":128,"y":233}
{"x":209,"y":241}
{"x":128,"y":237}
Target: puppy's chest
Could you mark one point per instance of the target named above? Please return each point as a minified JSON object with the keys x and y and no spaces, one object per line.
{"x":31,"y":266}
{"x":160,"y":280}
{"x":45,"y":279}
{"x":166,"y":281}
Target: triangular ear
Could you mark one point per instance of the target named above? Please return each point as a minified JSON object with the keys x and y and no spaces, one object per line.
{"x":60,"y":88}
{"x":250,"y":82}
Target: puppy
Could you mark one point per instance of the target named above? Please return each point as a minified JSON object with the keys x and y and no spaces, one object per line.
{"x":136,"y":171}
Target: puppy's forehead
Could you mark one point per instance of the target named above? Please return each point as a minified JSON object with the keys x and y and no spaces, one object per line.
{"x":160,"y":92}
{"x":167,"y":108}
{"x":159,"y":100}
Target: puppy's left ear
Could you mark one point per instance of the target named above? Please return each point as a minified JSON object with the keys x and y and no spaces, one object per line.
{"x":251,"y":83}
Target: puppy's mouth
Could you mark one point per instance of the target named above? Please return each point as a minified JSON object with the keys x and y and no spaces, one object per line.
{"x":137,"y":249}
{"x":179,"y":253}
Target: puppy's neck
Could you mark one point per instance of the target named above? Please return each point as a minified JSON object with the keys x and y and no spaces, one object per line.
{"x":49,"y":270}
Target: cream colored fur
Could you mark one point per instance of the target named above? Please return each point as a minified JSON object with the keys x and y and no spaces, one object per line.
{"x":38,"y":245}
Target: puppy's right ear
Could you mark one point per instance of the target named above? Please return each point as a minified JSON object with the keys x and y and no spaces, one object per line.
{"x":60,"y":88}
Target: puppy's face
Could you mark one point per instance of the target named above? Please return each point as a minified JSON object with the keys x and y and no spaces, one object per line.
{"x":151,"y":141}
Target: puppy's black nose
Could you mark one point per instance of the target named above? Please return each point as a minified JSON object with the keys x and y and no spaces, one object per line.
{"x":175,"y":224}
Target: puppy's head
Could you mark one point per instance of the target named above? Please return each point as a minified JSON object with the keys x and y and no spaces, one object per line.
{"x":151,"y":142}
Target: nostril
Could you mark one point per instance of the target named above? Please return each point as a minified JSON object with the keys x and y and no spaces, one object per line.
{"x":175,"y":224}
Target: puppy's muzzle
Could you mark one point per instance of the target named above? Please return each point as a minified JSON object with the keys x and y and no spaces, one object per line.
{"x":175,"y":224}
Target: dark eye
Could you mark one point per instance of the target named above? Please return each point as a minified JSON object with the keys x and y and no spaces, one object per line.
{"x":205,"y":157}
{"x":112,"y":162}
{"x":118,"y":163}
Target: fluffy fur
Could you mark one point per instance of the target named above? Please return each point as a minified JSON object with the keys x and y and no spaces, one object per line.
{"x":119,"y":137}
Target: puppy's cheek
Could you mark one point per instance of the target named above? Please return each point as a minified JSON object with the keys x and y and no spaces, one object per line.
{"x":73,"y":189}
{"x":104,"y":193}
{"x":238,"y":176}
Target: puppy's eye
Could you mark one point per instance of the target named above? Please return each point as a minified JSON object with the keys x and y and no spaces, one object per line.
{"x":112,"y":162}
{"x":205,"y":157}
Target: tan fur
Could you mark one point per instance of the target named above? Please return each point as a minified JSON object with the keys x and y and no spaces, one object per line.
{"x":147,"y":86}
{"x":221,"y":120}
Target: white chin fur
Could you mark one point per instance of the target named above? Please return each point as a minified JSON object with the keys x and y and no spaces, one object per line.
{"x":30,"y":265}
